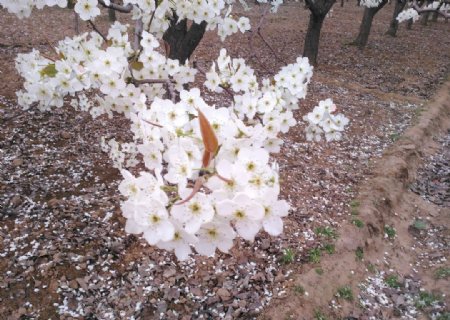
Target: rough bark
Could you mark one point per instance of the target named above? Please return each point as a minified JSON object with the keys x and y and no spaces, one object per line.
{"x":409,"y":24}
{"x":319,"y":10}
{"x":366,"y":25}
{"x":393,"y":27}
{"x":424,"y":18}
{"x":183,"y":40}
{"x":311,"y":47}
{"x":434,"y":17}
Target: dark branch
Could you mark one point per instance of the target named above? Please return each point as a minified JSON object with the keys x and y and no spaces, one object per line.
{"x":97,"y":30}
{"x":117,"y":7}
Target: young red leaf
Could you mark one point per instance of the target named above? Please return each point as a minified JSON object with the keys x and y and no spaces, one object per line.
{"x":208,"y":135}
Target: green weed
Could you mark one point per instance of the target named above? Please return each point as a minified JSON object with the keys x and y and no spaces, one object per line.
{"x":288,"y":256}
{"x":345,"y":293}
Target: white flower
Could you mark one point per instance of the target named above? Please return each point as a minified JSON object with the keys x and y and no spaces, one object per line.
{"x":274,"y":210}
{"x":216,"y":234}
{"x":87,"y":9}
{"x":180,"y":243}
{"x":244,"y":212}
{"x":149,"y":216}
{"x":194,"y":213}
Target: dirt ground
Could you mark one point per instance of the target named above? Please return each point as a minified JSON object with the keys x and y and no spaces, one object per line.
{"x":343,"y":255}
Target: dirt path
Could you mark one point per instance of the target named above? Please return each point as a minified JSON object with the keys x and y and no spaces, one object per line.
{"x":395,"y":265}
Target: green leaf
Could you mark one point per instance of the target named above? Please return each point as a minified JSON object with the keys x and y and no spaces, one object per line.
{"x":49,"y":71}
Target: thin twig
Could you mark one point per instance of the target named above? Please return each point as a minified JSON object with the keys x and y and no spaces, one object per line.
{"x":227,"y":90}
{"x":77,"y":23}
{"x":258,"y":32}
{"x":153,"y":123}
{"x":97,"y":30}
{"x":168,"y":82}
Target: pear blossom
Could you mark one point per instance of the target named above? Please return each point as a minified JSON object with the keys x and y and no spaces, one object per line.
{"x":194,"y":213}
{"x":217,"y":234}
{"x":244,"y":212}
{"x":87,"y":9}
{"x":187,"y":183}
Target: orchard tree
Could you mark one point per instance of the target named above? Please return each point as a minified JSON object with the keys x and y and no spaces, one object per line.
{"x":371,"y":9}
{"x":208,"y":174}
{"x":438,"y":8}
{"x":318,"y":11}
{"x":393,"y":26}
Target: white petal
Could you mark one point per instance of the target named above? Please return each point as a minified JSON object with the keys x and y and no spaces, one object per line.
{"x":166,"y":230}
{"x":205,"y":248}
{"x":248,"y":229}
{"x":182,"y":251}
{"x":273,"y":225}
{"x":132,"y":227}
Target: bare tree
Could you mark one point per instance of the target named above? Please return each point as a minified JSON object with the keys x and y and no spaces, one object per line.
{"x":393,"y":26}
{"x":318,"y":11}
{"x":366,"y":24}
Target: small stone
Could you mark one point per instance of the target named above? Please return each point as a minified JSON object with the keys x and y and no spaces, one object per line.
{"x":279,"y":277}
{"x":224,"y":294}
{"x":65,"y":135}
{"x":265,"y":244}
{"x":169,"y":272}
{"x":197,"y":292}
{"x":212,"y":300}
{"x":73,"y":284}
{"x":52,"y":203}
{"x":15,"y":201}
{"x":17,"y":162}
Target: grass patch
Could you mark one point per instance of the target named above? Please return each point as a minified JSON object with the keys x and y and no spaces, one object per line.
{"x":319,"y":271}
{"x":426,"y":299}
{"x":442,"y":273}
{"x":358,"y":223}
{"x":298,"y":289}
{"x":389,"y":232}
{"x":326,"y":232}
{"x":354,"y":207}
{"x":345,"y":293}
{"x":392,"y":281}
{"x":330,"y":248}
{"x":288,"y":256}
{"x":419,"y":224}
{"x":371,"y":268}
{"x":314,"y":255}
{"x":444,"y":316}
{"x":394,"y":136}
{"x":319,"y":315}
{"x":359,"y":254}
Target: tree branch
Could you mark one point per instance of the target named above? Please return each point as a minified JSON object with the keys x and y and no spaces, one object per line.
{"x":425,"y":10}
{"x":97,"y":30}
{"x":117,"y":7}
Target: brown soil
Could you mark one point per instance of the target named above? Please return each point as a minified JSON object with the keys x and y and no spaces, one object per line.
{"x":57,"y":189}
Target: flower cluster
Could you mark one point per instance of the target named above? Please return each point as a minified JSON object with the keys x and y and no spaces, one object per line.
{"x":322,"y":120}
{"x":208,"y":175}
{"x":370,"y":3}
{"x":23,"y":8}
{"x":408,"y":14}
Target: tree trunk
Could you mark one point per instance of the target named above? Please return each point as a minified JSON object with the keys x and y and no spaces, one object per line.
{"x":182,"y":40}
{"x":311,"y":47}
{"x":342,"y":3}
{"x":424,"y":19}
{"x":409,"y":24}
{"x":393,"y":27}
{"x":366,"y":25}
